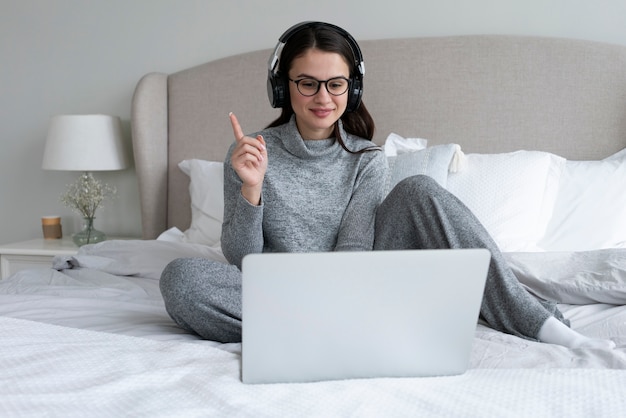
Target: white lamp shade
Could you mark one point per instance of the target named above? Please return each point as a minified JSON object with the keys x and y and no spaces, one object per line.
{"x":84,"y":143}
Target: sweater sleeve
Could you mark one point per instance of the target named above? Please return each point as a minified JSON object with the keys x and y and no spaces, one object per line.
{"x":356,"y":232}
{"x":242,"y":229}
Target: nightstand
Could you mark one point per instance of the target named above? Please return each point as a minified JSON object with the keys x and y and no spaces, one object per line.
{"x":33,"y":254}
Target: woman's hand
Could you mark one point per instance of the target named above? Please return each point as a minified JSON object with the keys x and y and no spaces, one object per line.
{"x":249,"y":160}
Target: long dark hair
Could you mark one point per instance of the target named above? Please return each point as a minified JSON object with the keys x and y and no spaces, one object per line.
{"x":359,"y":122}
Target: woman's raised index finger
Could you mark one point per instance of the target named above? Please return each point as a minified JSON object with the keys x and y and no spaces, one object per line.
{"x":237,"y":131}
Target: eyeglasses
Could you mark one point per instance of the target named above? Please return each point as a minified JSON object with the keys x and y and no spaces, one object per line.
{"x":310,"y":86}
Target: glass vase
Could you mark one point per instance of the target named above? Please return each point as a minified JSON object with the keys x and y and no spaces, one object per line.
{"x":89,"y":234}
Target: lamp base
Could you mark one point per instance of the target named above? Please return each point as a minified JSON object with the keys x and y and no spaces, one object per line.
{"x":88,"y":235}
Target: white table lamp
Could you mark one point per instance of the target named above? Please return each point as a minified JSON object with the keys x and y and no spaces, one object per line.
{"x":85,"y":143}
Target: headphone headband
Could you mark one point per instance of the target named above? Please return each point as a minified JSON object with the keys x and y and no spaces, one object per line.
{"x":276,"y":88}
{"x":358,"y":64}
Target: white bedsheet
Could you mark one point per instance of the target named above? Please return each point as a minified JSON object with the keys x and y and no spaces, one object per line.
{"x":96,"y":334}
{"x":58,"y":371}
{"x":110,"y":287}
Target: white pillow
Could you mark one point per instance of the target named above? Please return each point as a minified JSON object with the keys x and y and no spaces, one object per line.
{"x":396,"y":144}
{"x":512,"y":194}
{"x":590,"y":210}
{"x":206,"y":188}
{"x":433,"y":161}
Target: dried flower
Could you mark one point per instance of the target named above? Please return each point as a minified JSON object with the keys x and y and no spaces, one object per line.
{"x":85,"y":195}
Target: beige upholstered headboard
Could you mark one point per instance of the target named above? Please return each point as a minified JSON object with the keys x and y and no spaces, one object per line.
{"x":486,"y":93}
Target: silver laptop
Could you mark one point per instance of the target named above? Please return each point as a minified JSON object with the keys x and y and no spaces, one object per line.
{"x":345,"y":315}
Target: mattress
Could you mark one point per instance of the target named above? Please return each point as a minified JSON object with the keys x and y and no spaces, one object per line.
{"x":92,"y":337}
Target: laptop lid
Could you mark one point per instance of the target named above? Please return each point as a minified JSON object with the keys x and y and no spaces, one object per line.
{"x":344,"y":315}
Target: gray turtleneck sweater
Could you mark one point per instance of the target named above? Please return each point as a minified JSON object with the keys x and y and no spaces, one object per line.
{"x":316,"y":197}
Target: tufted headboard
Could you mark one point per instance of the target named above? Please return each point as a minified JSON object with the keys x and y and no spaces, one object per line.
{"x":487,"y":93}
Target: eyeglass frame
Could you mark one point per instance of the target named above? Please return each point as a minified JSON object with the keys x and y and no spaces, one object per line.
{"x":319,"y":85}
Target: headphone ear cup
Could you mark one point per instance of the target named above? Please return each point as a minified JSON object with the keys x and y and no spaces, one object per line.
{"x":354,"y":97}
{"x":276,"y":90}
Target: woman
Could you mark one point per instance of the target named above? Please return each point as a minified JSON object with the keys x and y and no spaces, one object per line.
{"x":313,"y":181}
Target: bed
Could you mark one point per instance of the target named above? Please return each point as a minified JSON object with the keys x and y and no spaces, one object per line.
{"x":528,"y":131}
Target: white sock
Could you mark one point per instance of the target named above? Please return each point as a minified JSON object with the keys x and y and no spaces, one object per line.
{"x":554,"y":331}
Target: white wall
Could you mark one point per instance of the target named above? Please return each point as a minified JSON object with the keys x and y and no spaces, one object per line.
{"x":76,"y":56}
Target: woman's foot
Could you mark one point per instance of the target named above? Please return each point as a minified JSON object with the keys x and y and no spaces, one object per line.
{"x":554,"y":331}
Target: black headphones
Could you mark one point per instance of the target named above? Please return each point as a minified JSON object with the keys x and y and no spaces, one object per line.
{"x":277,"y":84}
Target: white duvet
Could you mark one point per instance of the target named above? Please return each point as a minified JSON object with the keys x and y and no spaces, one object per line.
{"x":93,"y":339}
{"x":57,"y":371}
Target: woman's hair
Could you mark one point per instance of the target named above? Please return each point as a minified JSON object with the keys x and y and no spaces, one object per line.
{"x":358,"y":122}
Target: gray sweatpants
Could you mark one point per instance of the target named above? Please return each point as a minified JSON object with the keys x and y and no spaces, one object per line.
{"x":204,"y":296}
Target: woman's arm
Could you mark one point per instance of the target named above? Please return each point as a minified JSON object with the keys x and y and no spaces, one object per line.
{"x":244,"y":171}
{"x":242,"y":229}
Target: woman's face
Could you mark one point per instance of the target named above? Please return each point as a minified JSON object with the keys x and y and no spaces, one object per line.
{"x":317,"y":114}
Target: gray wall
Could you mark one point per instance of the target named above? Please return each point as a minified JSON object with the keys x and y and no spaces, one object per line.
{"x":85,"y":56}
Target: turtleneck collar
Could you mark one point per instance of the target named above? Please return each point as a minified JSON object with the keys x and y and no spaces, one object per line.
{"x":311,"y":148}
